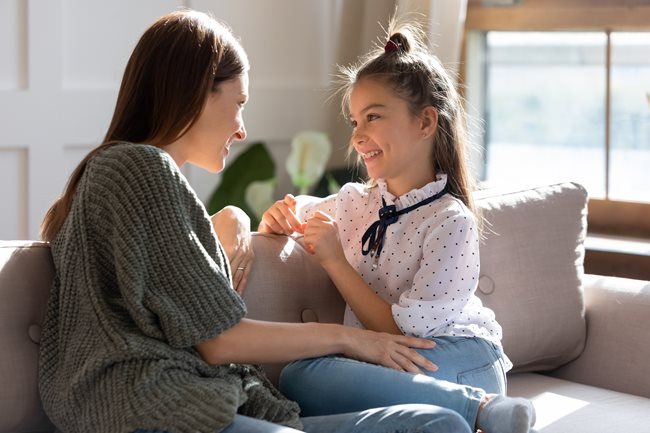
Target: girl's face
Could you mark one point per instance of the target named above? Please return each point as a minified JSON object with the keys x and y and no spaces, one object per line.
{"x":394,"y":145}
{"x":207,"y":143}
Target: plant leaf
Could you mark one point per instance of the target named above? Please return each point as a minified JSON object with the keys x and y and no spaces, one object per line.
{"x":252,"y":165}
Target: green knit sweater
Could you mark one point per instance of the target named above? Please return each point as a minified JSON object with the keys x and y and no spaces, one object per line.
{"x":140,"y":279}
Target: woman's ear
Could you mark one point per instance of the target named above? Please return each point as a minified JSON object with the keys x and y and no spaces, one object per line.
{"x":429,"y":121}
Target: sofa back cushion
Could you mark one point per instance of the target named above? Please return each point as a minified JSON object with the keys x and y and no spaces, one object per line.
{"x":26,"y":272}
{"x":287,"y":284}
{"x":531,"y":271}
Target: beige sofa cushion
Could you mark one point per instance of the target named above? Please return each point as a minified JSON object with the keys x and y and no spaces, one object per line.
{"x":618,"y":320}
{"x":531,"y":271}
{"x":26,"y":273}
{"x":287,"y":284}
{"x":564,"y":407}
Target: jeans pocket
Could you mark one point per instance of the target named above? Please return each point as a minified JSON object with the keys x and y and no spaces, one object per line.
{"x":487,"y":377}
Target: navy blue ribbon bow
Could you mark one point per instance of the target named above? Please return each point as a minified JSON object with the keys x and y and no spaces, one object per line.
{"x":388,"y":214}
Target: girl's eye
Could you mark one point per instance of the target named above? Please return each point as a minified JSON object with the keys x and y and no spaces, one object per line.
{"x":353,"y":123}
{"x":372,"y":117}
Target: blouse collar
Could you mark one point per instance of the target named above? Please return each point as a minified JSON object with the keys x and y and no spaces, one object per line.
{"x":414,"y":195}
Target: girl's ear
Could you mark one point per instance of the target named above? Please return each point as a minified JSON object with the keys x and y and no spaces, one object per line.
{"x":429,"y":121}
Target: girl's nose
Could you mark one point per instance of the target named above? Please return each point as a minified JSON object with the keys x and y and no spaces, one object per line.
{"x":358,"y":137}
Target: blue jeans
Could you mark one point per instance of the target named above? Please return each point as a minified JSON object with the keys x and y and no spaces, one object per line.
{"x":409,"y":418}
{"x":468,"y":369}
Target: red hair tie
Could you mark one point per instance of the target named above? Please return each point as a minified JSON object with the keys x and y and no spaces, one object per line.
{"x":391,"y":46}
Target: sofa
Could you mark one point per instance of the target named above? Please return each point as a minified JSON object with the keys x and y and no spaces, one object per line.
{"x":579,"y":343}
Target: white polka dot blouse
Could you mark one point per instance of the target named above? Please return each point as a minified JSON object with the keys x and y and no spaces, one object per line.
{"x":429,"y":267}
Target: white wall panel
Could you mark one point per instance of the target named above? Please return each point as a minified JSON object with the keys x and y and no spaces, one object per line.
{"x":289,"y":42}
{"x":13,"y":42}
{"x":73,"y":154}
{"x":13,"y":193}
{"x":98,"y":37}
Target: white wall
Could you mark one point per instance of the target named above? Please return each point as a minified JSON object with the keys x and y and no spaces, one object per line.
{"x":61,"y":62}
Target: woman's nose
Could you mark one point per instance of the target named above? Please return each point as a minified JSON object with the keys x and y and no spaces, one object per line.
{"x":241,"y":134}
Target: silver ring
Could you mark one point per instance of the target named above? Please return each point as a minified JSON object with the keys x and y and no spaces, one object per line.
{"x":239,"y":268}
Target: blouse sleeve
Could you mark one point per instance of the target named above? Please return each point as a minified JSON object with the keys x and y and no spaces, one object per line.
{"x":171,"y":270}
{"x":308,"y":205}
{"x":446,"y":280}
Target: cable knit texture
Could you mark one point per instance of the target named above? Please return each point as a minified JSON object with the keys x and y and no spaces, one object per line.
{"x":140,"y":279}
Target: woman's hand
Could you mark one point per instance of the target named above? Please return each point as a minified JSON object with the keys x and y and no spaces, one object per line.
{"x":392,"y":351}
{"x":232,"y":226}
{"x":322,"y":239}
{"x":281,"y":218}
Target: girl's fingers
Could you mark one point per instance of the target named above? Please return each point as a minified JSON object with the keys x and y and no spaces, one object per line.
{"x":275,"y":220}
{"x":285,"y":217}
{"x":290,"y":201}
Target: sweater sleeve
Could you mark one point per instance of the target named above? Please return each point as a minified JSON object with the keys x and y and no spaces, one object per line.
{"x":170,"y":270}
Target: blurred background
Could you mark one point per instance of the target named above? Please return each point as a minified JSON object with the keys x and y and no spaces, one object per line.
{"x":557,"y":90}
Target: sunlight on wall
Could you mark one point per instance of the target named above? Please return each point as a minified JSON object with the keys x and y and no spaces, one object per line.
{"x":551,"y":407}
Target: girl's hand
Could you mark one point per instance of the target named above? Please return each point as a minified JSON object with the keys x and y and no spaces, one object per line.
{"x":281,"y":218}
{"x":392,"y":351}
{"x":232,"y":226}
{"x":322,"y":238}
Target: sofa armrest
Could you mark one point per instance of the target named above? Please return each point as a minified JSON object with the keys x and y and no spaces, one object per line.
{"x":617,"y":350}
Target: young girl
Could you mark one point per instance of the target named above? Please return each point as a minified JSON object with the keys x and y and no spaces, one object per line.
{"x":403,"y":250}
{"x":144,"y":330}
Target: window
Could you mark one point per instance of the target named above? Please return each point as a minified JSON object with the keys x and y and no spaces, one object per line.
{"x":563,"y":106}
{"x":630,"y":117}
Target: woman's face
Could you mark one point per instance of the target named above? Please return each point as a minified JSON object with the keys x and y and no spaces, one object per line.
{"x":394,"y":144}
{"x":207,"y":143}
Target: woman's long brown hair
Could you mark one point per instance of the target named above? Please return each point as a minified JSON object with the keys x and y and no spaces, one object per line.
{"x":179,"y":59}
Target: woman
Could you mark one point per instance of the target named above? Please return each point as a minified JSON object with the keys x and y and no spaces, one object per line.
{"x":144,"y":331}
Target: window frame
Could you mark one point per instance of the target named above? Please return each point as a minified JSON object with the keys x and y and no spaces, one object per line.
{"x":624,"y":218}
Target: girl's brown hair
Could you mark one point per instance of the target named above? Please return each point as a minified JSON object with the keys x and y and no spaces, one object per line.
{"x":417,"y":76}
{"x":178,"y":61}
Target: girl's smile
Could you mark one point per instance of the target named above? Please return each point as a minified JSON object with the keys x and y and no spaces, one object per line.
{"x":394,"y":144}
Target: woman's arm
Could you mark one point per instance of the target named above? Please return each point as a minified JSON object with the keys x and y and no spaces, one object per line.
{"x":253,"y":341}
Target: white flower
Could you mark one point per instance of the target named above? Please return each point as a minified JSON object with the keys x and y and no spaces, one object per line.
{"x":310,"y":151}
{"x":259,"y":196}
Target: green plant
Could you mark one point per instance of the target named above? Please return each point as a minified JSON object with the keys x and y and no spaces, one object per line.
{"x":253,"y":165}
{"x":249,"y":182}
